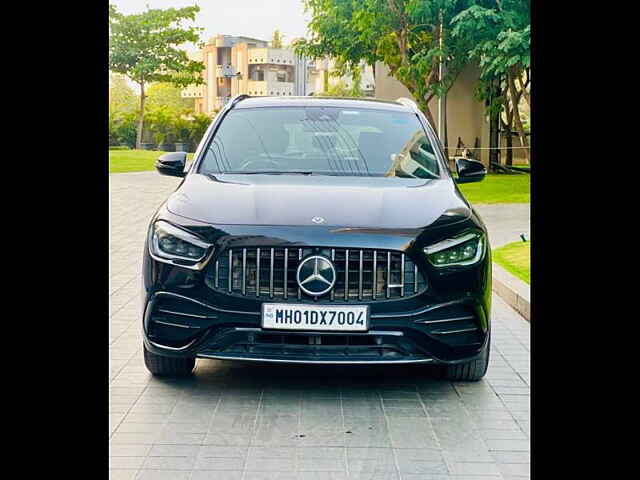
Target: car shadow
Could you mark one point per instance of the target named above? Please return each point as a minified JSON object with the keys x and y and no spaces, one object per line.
{"x":257,"y":376}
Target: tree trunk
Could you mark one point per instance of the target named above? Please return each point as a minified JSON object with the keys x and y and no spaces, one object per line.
{"x":516,"y":115}
{"x":424,"y":106}
{"x":508,"y":126}
{"x":141,"y":119}
{"x":494,"y":128}
{"x":523,"y":88}
{"x":509,"y":159}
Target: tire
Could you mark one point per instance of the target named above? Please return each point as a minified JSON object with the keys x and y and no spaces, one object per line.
{"x":160,"y":365}
{"x":470,"y":371}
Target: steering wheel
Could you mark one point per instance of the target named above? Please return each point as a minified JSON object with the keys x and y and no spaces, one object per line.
{"x":268,"y":163}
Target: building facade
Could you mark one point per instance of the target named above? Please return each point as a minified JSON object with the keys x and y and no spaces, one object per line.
{"x":320,"y":77}
{"x":235,"y":65}
{"x":467,"y":118}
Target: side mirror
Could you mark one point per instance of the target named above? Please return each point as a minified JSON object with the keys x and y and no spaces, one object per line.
{"x":469,"y":170}
{"x":172,"y":164}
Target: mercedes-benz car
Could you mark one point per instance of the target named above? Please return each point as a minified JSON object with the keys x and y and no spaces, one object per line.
{"x":318,"y":230}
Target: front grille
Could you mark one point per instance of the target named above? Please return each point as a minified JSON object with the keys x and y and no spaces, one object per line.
{"x":362,"y":274}
{"x":378,"y":346}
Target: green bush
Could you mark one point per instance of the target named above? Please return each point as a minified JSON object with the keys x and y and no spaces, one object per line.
{"x":122,"y":129}
{"x":119,"y":147}
{"x":182,"y":130}
{"x":199,"y":124}
{"x":160,"y":122}
{"x":163,"y":124}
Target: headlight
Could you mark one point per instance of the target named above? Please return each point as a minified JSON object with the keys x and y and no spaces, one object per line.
{"x":466,"y":249}
{"x":174,"y":245}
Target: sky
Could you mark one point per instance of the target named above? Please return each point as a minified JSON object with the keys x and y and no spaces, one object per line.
{"x":251,"y":18}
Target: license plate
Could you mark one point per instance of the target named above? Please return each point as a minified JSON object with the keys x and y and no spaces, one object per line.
{"x":284,"y":316}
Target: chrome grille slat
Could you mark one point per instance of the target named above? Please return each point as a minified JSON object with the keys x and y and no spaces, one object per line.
{"x":299,"y":258}
{"x":346,"y":276}
{"x":333,"y":259}
{"x":230,"y":278}
{"x":361,"y":274}
{"x":402,"y":276}
{"x":360,"y":277}
{"x":374,"y":286}
{"x":271,"y":276}
{"x":388,"y":274}
{"x":286,"y":266}
{"x":258,"y":272}
{"x":244,"y":271}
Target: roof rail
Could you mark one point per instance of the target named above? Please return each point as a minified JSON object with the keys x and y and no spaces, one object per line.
{"x":409,"y":103}
{"x":237,"y":99}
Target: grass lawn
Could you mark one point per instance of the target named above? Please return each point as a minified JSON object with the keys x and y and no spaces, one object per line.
{"x":498,"y":188}
{"x":515,"y":258}
{"x":121,"y":161}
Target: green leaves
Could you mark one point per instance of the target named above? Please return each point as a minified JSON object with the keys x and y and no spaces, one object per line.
{"x":501,"y":32}
{"x":144,"y":46}
{"x":412,"y":37}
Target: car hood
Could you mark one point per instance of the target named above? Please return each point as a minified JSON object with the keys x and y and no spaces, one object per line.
{"x":361,"y":202}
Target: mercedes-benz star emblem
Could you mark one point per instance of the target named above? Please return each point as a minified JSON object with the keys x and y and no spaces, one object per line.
{"x":317,"y":220}
{"x":316,"y":275}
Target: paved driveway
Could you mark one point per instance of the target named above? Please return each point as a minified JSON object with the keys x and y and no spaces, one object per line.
{"x":251,"y":421}
{"x":505,"y":222}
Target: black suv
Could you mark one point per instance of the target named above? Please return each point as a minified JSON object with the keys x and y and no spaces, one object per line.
{"x":318,"y":230}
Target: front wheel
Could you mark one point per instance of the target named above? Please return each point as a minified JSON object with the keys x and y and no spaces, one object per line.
{"x":470,"y":371}
{"x":160,"y":365}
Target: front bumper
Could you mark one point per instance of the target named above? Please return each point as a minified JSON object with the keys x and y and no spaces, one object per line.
{"x":443,"y":333}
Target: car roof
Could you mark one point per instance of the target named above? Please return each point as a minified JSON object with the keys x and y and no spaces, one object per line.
{"x":313,"y":101}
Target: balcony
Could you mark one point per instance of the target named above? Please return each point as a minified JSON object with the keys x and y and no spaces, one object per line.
{"x":276,"y":56}
{"x":270,"y":89}
{"x":192,"y":91}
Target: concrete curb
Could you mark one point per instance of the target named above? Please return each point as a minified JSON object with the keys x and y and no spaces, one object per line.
{"x":512,"y":290}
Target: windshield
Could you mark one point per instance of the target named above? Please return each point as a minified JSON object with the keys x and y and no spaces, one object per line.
{"x":321,"y":141}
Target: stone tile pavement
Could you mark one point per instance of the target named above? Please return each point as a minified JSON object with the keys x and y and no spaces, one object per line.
{"x":260,"y":421}
{"x":505,"y":222}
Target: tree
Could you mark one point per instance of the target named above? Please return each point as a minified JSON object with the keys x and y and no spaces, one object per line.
{"x":501,"y":34}
{"x":122,"y":129}
{"x":199,"y":124}
{"x":341,"y":89}
{"x":121,"y":97}
{"x":161,"y":120}
{"x":277,"y":39}
{"x":168,"y":95}
{"x":145,"y":48}
{"x":412,"y":38}
{"x":122,"y":103}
